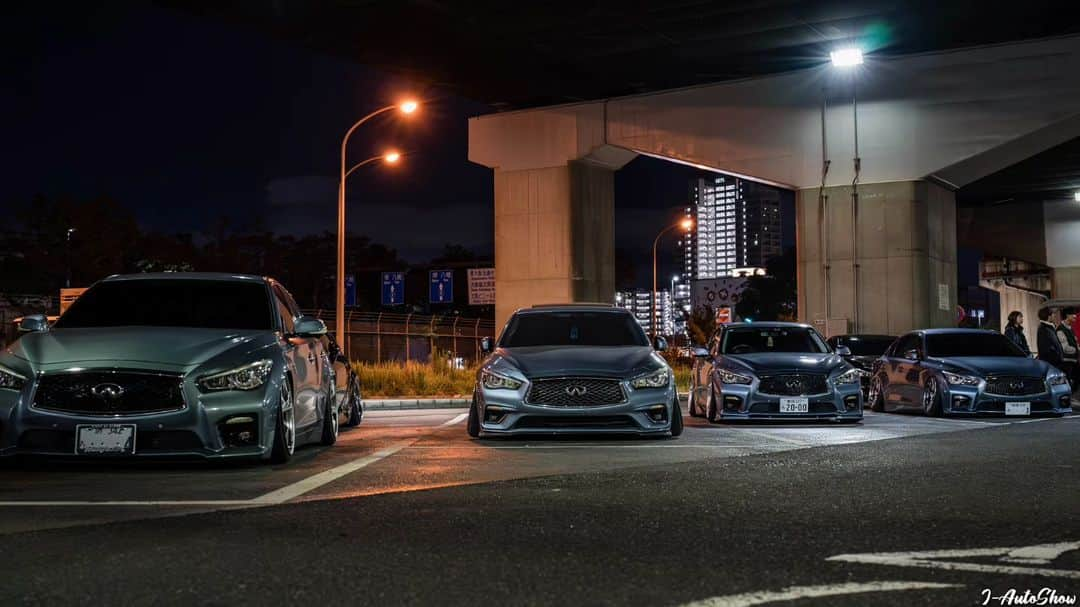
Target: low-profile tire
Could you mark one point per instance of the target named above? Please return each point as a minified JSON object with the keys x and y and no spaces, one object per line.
{"x":285,"y":427}
{"x":932,"y":398}
{"x":330,"y":427}
{"x":676,"y":418}
{"x":710,"y":412}
{"x":356,"y":406}
{"x":691,"y":404}
{"x":877,"y":396}
{"x":473,"y":425}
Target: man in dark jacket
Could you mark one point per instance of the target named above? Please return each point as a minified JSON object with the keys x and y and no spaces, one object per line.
{"x":1069,"y":347}
{"x":1049,"y":347}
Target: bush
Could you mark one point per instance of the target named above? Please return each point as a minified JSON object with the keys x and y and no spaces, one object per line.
{"x":395,"y":379}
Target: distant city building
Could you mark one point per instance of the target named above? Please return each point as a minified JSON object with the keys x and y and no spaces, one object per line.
{"x":639,"y":303}
{"x":736,"y":229}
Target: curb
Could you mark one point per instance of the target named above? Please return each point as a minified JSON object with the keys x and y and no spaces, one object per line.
{"x":392,"y":404}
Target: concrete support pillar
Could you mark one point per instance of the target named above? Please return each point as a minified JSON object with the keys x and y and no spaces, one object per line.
{"x":554,"y":236}
{"x":903,"y":243}
{"x":1067,"y":282}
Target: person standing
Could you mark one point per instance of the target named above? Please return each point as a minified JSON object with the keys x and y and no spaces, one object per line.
{"x":1014,"y":330}
{"x":1047,"y":341}
{"x":1068,"y":342}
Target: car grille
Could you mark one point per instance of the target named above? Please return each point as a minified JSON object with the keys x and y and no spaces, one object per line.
{"x":109,"y":392}
{"x":795,"y":384}
{"x":575,"y":392}
{"x":1015,"y":386}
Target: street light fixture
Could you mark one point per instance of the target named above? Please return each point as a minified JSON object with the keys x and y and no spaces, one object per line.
{"x":1076,"y":196}
{"x":407,"y":107}
{"x":686,"y":224}
{"x":846,"y":57}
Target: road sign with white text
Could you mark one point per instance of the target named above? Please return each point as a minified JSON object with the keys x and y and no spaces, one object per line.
{"x":393,"y":288}
{"x":441,"y":286}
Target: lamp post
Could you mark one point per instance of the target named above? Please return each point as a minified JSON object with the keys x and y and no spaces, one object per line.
{"x":408,"y":107}
{"x":852,"y":58}
{"x":686,"y":224}
{"x":67,"y":280}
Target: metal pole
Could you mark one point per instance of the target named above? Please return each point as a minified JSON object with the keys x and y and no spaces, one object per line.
{"x":340,"y":303}
{"x":454,"y":330}
{"x":407,"y":317}
{"x":476,"y":340}
{"x":378,"y":338}
{"x":855,"y":203}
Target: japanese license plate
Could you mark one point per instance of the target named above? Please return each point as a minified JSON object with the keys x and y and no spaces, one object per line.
{"x":1017,"y":408}
{"x":105,"y":439}
{"x":794,"y":405}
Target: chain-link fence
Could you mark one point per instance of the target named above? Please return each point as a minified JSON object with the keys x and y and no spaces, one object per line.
{"x":378,"y":337}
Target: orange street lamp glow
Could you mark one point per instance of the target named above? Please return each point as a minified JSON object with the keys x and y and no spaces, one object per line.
{"x":687,"y":224}
{"x":409,"y":106}
{"x":392,"y":157}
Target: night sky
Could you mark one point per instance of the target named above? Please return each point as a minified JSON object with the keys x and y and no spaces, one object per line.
{"x":186,"y":121}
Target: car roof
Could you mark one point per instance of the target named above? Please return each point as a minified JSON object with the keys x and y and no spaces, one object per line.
{"x":223,"y":276}
{"x":767,"y":325}
{"x":944,"y":331}
{"x":862,"y":336}
{"x":572,"y":307}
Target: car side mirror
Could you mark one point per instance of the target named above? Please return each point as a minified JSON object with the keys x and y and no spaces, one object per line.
{"x":911,"y":355}
{"x":701,"y":353}
{"x":34,"y":323}
{"x":309,"y":326}
{"x":660,"y":344}
{"x":843,"y":351}
{"x":486,"y":345}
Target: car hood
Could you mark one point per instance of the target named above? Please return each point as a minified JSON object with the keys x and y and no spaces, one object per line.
{"x":785,"y":362}
{"x":134,"y":346}
{"x":995,"y":365}
{"x":598,"y":361}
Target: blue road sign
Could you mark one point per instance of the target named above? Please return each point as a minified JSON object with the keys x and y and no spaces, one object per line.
{"x":350,"y":291}
{"x":441,"y":286}
{"x":393,"y":288}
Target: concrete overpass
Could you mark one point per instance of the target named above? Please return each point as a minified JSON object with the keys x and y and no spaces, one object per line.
{"x":882,"y":261}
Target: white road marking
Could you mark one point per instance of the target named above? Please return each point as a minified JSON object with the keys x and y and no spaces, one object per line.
{"x":1040,"y":554}
{"x":794,"y":593}
{"x":770,"y":435}
{"x":456,"y":420}
{"x":309,"y":484}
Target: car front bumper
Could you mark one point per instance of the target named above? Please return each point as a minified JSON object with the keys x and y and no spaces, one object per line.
{"x":744,"y":402}
{"x":646,"y":411}
{"x":221,"y":425}
{"x":970,"y":401}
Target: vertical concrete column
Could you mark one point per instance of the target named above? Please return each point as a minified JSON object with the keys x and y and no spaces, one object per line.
{"x":900,"y":252}
{"x":1062,"y":224}
{"x":554,"y":236}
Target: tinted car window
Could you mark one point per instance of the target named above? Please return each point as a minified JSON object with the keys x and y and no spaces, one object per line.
{"x":209,"y":304}
{"x":753,"y":340}
{"x":573,"y":329}
{"x":943,"y":345}
{"x":866,"y":346}
{"x":906,"y":343}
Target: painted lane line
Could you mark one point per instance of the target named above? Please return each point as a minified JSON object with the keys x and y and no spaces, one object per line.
{"x":456,"y":420}
{"x":311,"y":483}
{"x":1039,"y":555}
{"x":795,"y":593}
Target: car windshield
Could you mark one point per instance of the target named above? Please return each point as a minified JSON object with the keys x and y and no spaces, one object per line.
{"x":772,"y":339}
{"x":945,"y":345}
{"x":209,"y":304}
{"x":871,"y":345}
{"x":573,"y":329}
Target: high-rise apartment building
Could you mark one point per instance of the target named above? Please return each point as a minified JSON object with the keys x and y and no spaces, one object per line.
{"x":736,"y":228}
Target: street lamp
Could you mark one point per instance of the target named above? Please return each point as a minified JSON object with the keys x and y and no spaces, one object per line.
{"x":686,"y":224}
{"x":67,"y":280}
{"x":407,"y":107}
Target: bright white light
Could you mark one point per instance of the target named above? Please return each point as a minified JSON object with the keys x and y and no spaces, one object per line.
{"x":1076,"y":196}
{"x":846,"y":57}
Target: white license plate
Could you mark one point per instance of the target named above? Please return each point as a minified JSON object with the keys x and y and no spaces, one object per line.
{"x":794,"y":405}
{"x":105,"y":439}
{"x":1017,"y":408}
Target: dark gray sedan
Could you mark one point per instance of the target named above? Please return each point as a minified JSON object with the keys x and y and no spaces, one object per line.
{"x":574,"y":369}
{"x":774,"y":370}
{"x":152,"y":365}
{"x":966,"y":372}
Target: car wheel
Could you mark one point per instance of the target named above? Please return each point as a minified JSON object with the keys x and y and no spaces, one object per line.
{"x":473,"y":425}
{"x":932,"y":398}
{"x":710,"y":410}
{"x":356,"y":406}
{"x":676,"y":418}
{"x":285,"y":430}
{"x":330,"y":423}
{"x":876,"y":396}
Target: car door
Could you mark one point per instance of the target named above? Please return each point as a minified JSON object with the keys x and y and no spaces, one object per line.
{"x":304,"y":361}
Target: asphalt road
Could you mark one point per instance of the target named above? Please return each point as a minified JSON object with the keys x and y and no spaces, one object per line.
{"x":408,"y":510}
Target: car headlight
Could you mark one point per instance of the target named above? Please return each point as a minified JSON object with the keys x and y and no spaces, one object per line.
{"x":656,"y":379}
{"x":729,"y":377}
{"x":851,"y":376}
{"x":1057,"y":379}
{"x":495,"y":381}
{"x":247,"y":377}
{"x":10,"y":380}
{"x":960,"y":380}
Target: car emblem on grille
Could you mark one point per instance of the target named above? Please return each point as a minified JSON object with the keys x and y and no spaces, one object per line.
{"x":1016,"y":385}
{"x":794,"y":384}
{"x":107,"y":392}
{"x":576,"y":390}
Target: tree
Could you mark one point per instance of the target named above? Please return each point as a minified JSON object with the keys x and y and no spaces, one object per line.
{"x":701,"y":324}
